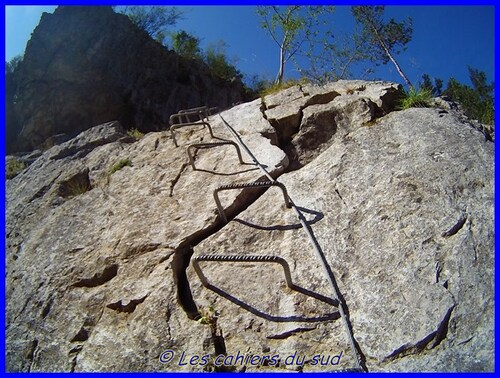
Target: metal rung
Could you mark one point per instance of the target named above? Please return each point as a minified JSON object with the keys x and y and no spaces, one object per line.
{"x":258,"y":184}
{"x":214,"y":144}
{"x":179,"y":125}
{"x":257,"y":258}
{"x":199,"y":108}
{"x":242,"y":258}
{"x":183,"y":116}
{"x":204,"y":109}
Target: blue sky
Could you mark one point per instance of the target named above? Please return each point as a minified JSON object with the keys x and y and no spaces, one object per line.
{"x":446,"y":39}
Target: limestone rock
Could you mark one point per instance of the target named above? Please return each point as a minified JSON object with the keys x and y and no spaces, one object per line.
{"x":306,"y":118}
{"x":102,"y":231}
{"x":403,"y":210}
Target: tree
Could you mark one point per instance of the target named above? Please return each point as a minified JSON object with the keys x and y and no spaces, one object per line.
{"x":478,"y":80}
{"x":289,"y":27}
{"x":186,"y":45}
{"x":382,"y":39}
{"x":333,"y":56}
{"x":216,"y":59}
{"x":435,"y":88}
{"x":478,"y":100}
{"x":154,"y":20}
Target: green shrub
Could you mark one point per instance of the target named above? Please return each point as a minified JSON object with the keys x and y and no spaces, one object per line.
{"x":119,"y":165}
{"x":209,"y":317}
{"x":276,"y":87}
{"x":135,"y":133}
{"x":14,"y":167}
{"x":416,"y":99}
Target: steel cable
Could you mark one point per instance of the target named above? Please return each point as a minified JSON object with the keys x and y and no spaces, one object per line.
{"x":316,"y":247}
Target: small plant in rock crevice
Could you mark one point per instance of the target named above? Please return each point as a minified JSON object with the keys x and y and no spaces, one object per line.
{"x":284,"y":85}
{"x":119,"y":165}
{"x":76,"y":188}
{"x":416,"y":99}
{"x":13,"y":168}
{"x":208,"y":316}
{"x":135,"y":133}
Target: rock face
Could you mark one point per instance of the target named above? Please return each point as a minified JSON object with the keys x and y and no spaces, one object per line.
{"x":102,"y":232}
{"x":88,"y":65}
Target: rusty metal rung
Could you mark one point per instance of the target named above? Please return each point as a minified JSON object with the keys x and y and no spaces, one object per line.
{"x":183,"y":116}
{"x":257,"y":184}
{"x":242,"y":258}
{"x":213,"y":144}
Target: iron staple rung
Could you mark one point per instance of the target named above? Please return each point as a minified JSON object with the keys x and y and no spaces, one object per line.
{"x":247,"y":185}
{"x":262,"y":259}
{"x":192,"y":110}
{"x":208,"y":111}
{"x":212,"y":144}
{"x":185,"y":115}
{"x":200,"y":145}
{"x":256,"y":184}
{"x":182,"y":124}
{"x":240,"y":258}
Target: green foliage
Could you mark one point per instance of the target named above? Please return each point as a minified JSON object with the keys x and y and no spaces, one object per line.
{"x":435,"y":88}
{"x":209,"y":317}
{"x":290,"y":26}
{"x":380,"y":35}
{"x":380,"y":40}
{"x":154,"y":20}
{"x":217,"y":62}
{"x":477,"y":101}
{"x":478,"y":80}
{"x":186,"y":45}
{"x":276,"y":87}
{"x":214,"y":56}
{"x":14,"y":167}
{"x":332,"y":57}
{"x":258,"y":84}
{"x":135,"y":133}
{"x":119,"y":165}
{"x":416,"y":99}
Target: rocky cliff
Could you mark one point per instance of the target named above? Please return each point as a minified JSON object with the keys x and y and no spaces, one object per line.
{"x":378,"y":257}
{"x":88,"y":65}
